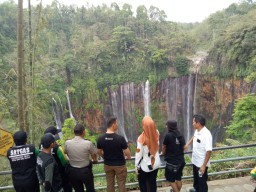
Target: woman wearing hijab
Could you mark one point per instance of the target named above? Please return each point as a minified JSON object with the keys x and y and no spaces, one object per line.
{"x":147,"y":160}
{"x":173,"y":149}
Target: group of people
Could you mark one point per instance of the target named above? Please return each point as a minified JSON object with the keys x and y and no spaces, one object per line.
{"x":59,"y":169}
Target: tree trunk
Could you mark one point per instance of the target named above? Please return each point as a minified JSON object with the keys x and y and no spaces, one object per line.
{"x":20,"y":61}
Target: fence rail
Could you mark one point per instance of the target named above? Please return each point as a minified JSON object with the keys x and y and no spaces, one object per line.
{"x":234,"y":170}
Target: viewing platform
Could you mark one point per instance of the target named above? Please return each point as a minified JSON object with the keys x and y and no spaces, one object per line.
{"x":239,"y":184}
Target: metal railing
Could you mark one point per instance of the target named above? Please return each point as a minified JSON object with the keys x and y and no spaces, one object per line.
{"x":188,"y":164}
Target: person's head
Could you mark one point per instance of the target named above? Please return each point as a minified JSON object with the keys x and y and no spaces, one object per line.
{"x":148,"y":126}
{"x":198,"y":121}
{"x":48,"y":141}
{"x":79,"y":130}
{"x":53,"y":130}
{"x":112,"y":123}
{"x":171,"y":125}
{"x":150,"y":135}
{"x":20,"y":138}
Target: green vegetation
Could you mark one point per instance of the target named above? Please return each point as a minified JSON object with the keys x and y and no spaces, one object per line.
{"x":90,"y":50}
{"x":243,"y":124}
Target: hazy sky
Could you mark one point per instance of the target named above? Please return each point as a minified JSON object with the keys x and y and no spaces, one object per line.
{"x":176,"y":10}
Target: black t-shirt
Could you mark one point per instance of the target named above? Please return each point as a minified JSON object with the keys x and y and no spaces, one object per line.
{"x":112,"y":145}
{"x":23,"y":163}
{"x":174,"y":148}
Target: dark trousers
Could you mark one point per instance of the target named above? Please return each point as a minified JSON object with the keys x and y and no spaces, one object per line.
{"x":200,"y":183}
{"x":32,"y":187}
{"x":147,"y":180}
{"x":79,"y":177}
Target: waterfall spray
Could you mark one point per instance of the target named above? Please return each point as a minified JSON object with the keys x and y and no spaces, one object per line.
{"x":146,"y":98}
{"x":69,"y":105}
{"x":57,"y":116}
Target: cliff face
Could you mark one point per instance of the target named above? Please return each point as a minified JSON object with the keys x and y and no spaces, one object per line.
{"x":173,"y":98}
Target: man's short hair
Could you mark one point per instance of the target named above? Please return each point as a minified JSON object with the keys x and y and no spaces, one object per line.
{"x":20,"y":138}
{"x":53,"y":130}
{"x":47,"y":140}
{"x":111,"y":121}
{"x":78,"y":129}
{"x":199,"y":119}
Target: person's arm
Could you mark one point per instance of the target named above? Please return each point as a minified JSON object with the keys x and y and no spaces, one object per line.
{"x":127,"y":153}
{"x":208,"y":149}
{"x":206,"y":159}
{"x":163,"y":150}
{"x":188,"y":143}
{"x":138,"y":155}
{"x":100,"y":153}
{"x":62,"y":157}
{"x":36,"y":152}
{"x":49,"y":169}
{"x":93,"y":152}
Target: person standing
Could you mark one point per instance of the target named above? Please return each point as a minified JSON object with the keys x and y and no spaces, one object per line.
{"x":147,"y":159}
{"x":79,"y":152}
{"x":60,"y":158}
{"x":114,"y":150}
{"x":22,"y":159}
{"x":47,"y":168}
{"x":173,"y":149}
{"x":201,"y":153}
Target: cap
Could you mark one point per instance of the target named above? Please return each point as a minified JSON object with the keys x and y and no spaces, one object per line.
{"x":53,"y":130}
{"x":20,"y":137}
{"x":47,"y":140}
{"x":171,"y":124}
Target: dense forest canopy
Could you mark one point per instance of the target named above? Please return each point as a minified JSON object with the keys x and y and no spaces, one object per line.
{"x":90,"y":49}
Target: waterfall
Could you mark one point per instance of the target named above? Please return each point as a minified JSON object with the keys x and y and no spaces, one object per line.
{"x":57,"y":113}
{"x":69,"y":106}
{"x":117,"y":107}
{"x":189,"y":108}
{"x":146,"y":97}
{"x":171,"y":99}
{"x":179,"y":102}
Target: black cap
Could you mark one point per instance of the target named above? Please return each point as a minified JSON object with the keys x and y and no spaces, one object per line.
{"x":20,"y":138}
{"x":53,"y":130}
{"x":171,"y":124}
{"x":47,"y":140}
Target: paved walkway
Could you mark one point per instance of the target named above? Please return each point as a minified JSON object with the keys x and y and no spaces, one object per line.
{"x":240,"y":184}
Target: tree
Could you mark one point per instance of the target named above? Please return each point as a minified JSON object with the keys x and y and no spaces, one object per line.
{"x":243,"y":125}
{"x":21,"y":82}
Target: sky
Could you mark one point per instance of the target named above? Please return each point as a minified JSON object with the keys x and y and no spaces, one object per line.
{"x":176,"y":10}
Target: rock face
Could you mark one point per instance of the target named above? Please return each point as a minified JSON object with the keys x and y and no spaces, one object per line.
{"x":172,"y":98}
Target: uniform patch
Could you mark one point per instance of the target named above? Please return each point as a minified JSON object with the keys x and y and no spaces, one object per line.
{"x":137,"y":150}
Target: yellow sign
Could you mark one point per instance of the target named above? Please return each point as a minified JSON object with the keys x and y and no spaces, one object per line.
{"x":6,"y":141}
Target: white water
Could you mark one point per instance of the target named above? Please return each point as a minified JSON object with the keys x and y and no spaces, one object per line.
{"x":57,"y":116}
{"x":146,"y":98}
{"x":69,"y":106}
{"x":118,"y":112}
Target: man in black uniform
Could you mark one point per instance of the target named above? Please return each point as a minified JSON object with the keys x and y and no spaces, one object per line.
{"x":22,"y":158}
{"x":60,"y":158}
{"x":47,"y":168}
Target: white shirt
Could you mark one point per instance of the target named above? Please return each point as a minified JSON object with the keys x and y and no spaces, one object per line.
{"x":146,"y":161}
{"x":202,"y":143}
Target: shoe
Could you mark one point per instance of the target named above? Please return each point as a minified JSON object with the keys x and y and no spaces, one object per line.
{"x":192,"y":190}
